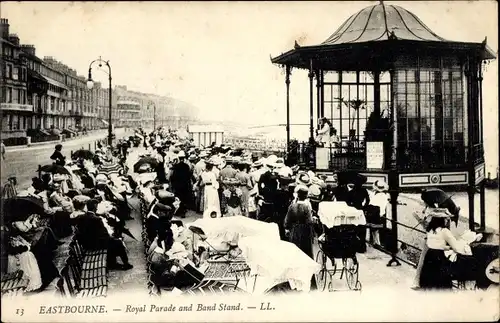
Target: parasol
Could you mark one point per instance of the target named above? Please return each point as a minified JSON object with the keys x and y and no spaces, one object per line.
{"x":110,"y":168}
{"x":55,"y":169}
{"x":438,"y":198}
{"x":20,"y":208}
{"x":83,"y":153}
{"x":145,"y":160}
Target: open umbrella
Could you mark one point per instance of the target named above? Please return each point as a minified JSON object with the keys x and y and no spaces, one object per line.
{"x":83,"y":153}
{"x":145,"y":160}
{"x":437,"y":197}
{"x":55,"y":169}
{"x":110,"y":168}
{"x":20,"y":208}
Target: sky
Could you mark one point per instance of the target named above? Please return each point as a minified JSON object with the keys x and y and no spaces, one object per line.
{"x":216,"y":55}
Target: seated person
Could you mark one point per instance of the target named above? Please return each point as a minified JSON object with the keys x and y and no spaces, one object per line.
{"x":160,"y":263}
{"x":31,"y":227}
{"x":20,"y":257}
{"x":94,"y":233}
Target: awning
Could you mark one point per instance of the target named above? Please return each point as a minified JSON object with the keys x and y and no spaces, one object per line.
{"x":37,"y":76}
{"x":56,"y":83}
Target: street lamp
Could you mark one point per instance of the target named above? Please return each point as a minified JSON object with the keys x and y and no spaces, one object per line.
{"x":90,"y":85}
{"x":154,"y":114}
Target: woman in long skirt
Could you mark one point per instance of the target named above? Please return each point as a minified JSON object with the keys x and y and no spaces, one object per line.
{"x":211,"y":195}
{"x":436,"y":273}
{"x":298,"y":223}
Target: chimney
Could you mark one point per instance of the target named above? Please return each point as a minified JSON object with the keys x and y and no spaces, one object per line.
{"x":29,"y":49}
{"x":4,"y":28}
{"x":13,"y":38}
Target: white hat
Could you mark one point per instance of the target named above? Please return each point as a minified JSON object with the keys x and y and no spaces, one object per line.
{"x":380,"y":186}
{"x":271,"y":160}
{"x":101,"y":179}
{"x":181,"y":154}
{"x":57,"y":178}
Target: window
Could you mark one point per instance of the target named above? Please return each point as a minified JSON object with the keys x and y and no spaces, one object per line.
{"x":429,"y":106}
{"x":8,"y":71}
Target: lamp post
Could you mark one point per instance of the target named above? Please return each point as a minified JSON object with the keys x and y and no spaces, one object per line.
{"x":154,"y":114}
{"x":90,"y":85}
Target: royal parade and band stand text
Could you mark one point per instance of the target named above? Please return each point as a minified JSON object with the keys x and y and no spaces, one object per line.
{"x":153,"y":308}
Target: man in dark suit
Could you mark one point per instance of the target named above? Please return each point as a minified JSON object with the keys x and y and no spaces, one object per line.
{"x":90,"y":230}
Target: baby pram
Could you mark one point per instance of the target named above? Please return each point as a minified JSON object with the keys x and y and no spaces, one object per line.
{"x":338,"y":241}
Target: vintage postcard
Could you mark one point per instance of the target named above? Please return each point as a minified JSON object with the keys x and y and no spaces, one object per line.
{"x":249,"y":161}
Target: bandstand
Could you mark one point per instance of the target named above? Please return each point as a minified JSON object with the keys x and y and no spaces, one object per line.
{"x":406,"y":104}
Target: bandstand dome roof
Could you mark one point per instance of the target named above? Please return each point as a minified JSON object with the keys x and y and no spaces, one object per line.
{"x":382,"y":22}
{"x":370,"y":35}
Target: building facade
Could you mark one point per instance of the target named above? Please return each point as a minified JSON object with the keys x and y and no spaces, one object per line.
{"x":45,"y":94}
{"x":15,"y":110}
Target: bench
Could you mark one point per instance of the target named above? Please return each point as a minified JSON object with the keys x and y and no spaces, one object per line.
{"x":85,"y":273}
{"x":14,"y":284}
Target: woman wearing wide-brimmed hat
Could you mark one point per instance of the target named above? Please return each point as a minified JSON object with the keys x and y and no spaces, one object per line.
{"x":436,"y":270}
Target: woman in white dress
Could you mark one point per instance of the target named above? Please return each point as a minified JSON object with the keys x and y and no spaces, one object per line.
{"x":208,"y":181}
{"x":21,"y":258}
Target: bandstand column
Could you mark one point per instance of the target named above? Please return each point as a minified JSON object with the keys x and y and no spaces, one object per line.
{"x":311,"y":101}
{"x":318,"y":94}
{"x":472,"y":120}
{"x":482,"y":202}
{"x":287,"y":82}
{"x":393,"y":182}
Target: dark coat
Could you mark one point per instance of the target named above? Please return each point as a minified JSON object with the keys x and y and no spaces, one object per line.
{"x":299,"y":221}
{"x":268,"y":186}
{"x":91,"y":232}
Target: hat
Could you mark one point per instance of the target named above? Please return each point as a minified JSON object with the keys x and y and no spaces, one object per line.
{"x":203,"y":154}
{"x":271,"y":160}
{"x":304,"y":179}
{"x":81,"y":198}
{"x":192,"y":157}
{"x":279,"y":163}
{"x":301,"y":188}
{"x":380,"y":186}
{"x":181,"y":154}
{"x":165,"y":197}
{"x":11,"y":176}
{"x":257,"y":163}
{"x":315,"y":180}
{"x":440,"y":213}
{"x":229,"y":159}
{"x":57,"y":178}
{"x":144,"y":168}
{"x":314,"y":192}
{"x":101,"y":179}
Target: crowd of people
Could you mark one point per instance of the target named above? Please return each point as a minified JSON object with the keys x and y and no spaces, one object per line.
{"x":86,"y":197}
{"x":89,"y":196}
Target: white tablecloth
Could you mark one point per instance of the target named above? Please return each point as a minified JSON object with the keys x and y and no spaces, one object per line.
{"x":277,"y":261}
{"x":339,"y":213}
